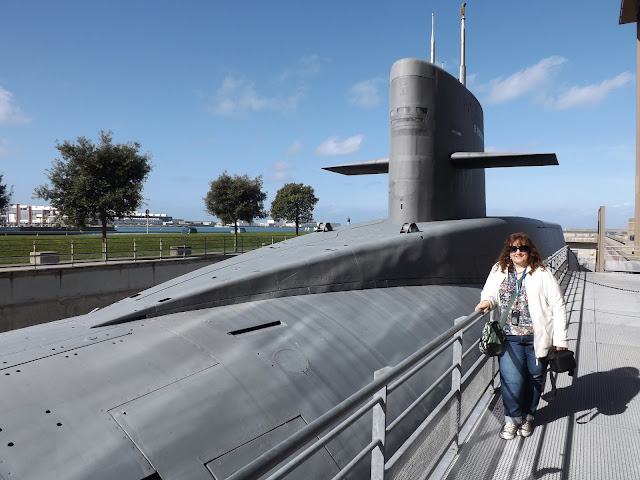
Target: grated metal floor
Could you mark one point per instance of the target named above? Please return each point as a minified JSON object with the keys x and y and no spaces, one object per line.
{"x":591,"y":428}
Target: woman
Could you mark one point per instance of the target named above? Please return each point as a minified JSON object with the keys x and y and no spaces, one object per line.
{"x":521,"y":288}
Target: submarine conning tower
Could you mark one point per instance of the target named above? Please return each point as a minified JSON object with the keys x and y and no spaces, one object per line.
{"x":436,"y":157}
{"x":432,"y":116}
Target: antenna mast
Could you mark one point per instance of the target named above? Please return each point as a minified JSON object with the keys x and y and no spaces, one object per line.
{"x":433,"y":42}
{"x":463,"y":67}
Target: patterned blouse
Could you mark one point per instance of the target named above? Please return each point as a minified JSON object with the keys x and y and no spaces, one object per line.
{"x":523,"y":324}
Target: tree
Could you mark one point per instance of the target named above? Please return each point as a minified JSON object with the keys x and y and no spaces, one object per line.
{"x":236,"y":198}
{"x":5,"y":195}
{"x":96,"y":182}
{"x":294,"y":202}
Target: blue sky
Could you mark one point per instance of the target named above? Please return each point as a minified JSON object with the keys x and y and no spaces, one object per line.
{"x":283,"y":88}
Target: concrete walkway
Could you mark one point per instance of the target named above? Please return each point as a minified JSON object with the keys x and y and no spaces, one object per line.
{"x":591,"y":428}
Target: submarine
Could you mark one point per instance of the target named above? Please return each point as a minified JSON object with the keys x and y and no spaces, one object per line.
{"x":196,"y":377}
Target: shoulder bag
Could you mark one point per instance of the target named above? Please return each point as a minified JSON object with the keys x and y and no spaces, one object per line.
{"x":492,"y":336}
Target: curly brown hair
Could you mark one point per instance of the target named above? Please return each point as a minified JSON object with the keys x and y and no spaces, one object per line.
{"x":504,"y":260}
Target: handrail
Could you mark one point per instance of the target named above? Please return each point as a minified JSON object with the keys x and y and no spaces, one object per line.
{"x":622,"y":252}
{"x":48,"y":250}
{"x":420,"y":398}
{"x":275,"y":455}
{"x":385,"y":381}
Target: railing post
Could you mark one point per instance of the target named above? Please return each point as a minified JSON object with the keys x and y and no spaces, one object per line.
{"x":494,"y":381}
{"x":601,"y":248}
{"x":72,"y":251}
{"x":379,"y":429}
{"x":104,"y":249}
{"x":134,"y":249}
{"x":160,"y":248}
{"x":456,"y":379}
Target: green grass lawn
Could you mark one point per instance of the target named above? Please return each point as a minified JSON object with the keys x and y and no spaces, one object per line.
{"x":16,"y":249}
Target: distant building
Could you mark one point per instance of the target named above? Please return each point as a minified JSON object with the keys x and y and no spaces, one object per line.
{"x":18,"y":214}
{"x":140,"y":218}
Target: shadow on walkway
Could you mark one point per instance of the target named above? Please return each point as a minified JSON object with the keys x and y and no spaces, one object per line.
{"x":607,"y":393}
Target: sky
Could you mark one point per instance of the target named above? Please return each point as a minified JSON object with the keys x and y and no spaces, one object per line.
{"x":283,"y":88}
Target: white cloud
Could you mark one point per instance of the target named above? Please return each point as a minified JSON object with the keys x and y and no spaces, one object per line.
{"x":10,"y":113}
{"x":308,"y":66}
{"x":238,"y":96}
{"x":294,"y":149}
{"x":537,"y":82}
{"x":366,"y":93}
{"x":335,"y":147}
{"x":280,"y":172}
{"x":532,"y":80}
{"x":578,"y":96}
{"x":624,"y":205}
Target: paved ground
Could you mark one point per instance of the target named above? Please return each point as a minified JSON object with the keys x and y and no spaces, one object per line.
{"x":591,"y":428}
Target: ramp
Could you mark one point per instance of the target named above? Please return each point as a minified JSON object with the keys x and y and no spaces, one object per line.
{"x":590,"y":428}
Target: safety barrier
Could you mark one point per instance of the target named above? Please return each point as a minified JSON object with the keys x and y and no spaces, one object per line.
{"x":420,"y":453}
{"x":622,"y":258}
{"x":48,"y":250}
{"x":622,"y":252}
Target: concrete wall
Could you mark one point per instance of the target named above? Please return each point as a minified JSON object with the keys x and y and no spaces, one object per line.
{"x":29,"y":297}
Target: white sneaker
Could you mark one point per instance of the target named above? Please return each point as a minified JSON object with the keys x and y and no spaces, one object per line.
{"x":509,"y":431}
{"x":526,"y":429}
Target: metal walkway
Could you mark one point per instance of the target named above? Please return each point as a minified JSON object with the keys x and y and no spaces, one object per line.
{"x":591,"y":429}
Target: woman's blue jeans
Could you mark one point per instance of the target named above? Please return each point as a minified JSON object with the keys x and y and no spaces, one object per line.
{"x":521,"y":377}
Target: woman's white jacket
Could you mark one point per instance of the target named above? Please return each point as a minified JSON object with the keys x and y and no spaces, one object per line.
{"x":546,"y":306}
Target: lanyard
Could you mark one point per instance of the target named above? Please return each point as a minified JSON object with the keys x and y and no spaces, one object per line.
{"x":519,"y":282}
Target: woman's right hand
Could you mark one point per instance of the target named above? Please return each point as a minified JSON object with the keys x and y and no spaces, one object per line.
{"x":484,"y":305}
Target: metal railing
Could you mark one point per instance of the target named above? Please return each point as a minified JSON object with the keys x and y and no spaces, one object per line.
{"x":620,"y":258}
{"x":622,"y":252}
{"x":46,"y":250}
{"x":467,"y":389}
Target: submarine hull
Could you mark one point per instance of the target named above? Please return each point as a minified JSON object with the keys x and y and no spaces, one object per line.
{"x":202,"y":392}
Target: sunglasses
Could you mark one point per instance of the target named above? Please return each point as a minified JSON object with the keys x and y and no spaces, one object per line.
{"x":522,"y":248}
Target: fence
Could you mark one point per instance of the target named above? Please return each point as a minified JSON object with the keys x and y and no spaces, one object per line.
{"x":420,"y":453}
{"x":622,"y":252}
{"x":47,"y":250}
{"x":621,"y":258}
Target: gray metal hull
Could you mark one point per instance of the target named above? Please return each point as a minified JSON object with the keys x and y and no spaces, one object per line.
{"x":432,"y":116}
{"x":277,"y":338}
